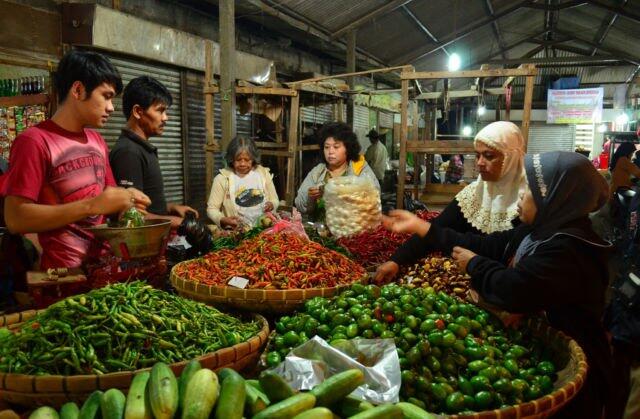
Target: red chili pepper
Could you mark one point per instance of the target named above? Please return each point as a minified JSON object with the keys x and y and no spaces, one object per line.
{"x":389,"y":318}
{"x":440,"y":324}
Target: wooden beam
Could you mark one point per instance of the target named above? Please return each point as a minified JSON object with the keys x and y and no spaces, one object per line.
{"x":463,"y":32}
{"x":258,"y":90}
{"x":278,"y":153}
{"x":460,"y":93}
{"x":526,"y":113}
{"x":213,"y":89}
{"x":295,"y":84}
{"x":267,"y":144}
{"x":227,"y":71}
{"x":404,"y":131}
{"x":441,"y":147}
{"x":209,"y":119}
{"x":379,"y":11}
{"x":293,"y":149}
{"x":549,"y":60}
{"x":310,"y":147}
{"x":351,"y":68}
{"x":415,"y":75}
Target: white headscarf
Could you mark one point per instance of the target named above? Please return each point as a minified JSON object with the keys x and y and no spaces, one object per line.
{"x":491,"y":206}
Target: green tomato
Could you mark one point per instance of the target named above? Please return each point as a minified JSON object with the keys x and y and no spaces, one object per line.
{"x":291,"y":339}
{"x":273,"y":359}
{"x":483,"y":400}
{"x":455,"y":402}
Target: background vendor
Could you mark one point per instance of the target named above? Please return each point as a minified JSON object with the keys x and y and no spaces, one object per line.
{"x":134,"y":159}
{"x":340,"y":152}
{"x":59,"y":178}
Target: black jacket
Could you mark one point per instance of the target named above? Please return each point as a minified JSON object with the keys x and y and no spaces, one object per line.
{"x":566,"y":276}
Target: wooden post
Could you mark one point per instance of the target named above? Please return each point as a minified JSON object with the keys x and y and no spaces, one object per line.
{"x":293,"y":149}
{"x":351,"y":68}
{"x":526,"y":112}
{"x":209,"y":118}
{"x":404,"y":130}
{"x":281,"y":160}
{"x":227,"y":71}
{"x":340,"y":110}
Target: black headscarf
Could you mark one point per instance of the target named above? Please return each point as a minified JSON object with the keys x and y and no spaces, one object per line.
{"x":565,"y":187}
{"x":624,"y":150}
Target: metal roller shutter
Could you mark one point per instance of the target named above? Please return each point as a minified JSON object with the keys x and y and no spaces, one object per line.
{"x":169,"y":144}
{"x":317,"y":114}
{"x":361,"y":125}
{"x":543,"y":138}
{"x":385,"y":120}
{"x":196,"y":186}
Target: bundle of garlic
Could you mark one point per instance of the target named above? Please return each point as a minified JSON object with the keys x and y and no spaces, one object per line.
{"x":352,"y":204}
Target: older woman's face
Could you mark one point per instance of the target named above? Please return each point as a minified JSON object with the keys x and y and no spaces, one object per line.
{"x":335,"y":152}
{"x":489,"y":162}
{"x":242,"y":164}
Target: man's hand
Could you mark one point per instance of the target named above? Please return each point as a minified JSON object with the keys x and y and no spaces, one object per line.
{"x":112,"y":200}
{"x":140,"y":200}
{"x":229,"y":222}
{"x":181,"y":210}
{"x":268,"y":207}
{"x":400,"y":221}
{"x":462,"y":257}
{"x":315,"y":193}
{"x":386,"y":272}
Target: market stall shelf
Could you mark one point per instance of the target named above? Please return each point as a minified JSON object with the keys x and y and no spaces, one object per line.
{"x":55,"y":390}
{"x":255,"y":300}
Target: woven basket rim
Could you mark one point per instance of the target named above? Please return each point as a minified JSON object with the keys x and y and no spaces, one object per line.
{"x":255,"y":341}
{"x":535,"y":408}
{"x":175,"y":278}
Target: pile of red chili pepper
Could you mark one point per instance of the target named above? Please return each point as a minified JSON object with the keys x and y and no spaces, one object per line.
{"x":274,"y":261}
{"x":373,"y":247}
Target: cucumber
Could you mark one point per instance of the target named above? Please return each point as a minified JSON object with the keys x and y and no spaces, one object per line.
{"x":163,"y":391}
{"x":138,"y":406}
{"x":275,"y":387}
{"x":69,"y":411}
{"x":232,"y":395}
{"x":337,"y":387}
{"x":200,"y":395}
{"x":255,"y":402}
{"x":384,"y":411}
{"x":315,"y":413}
{"x":91,"y":407}
{"x":288,"y":408}
{"x":350,"y":406}
{"x":44,"y":412}
{"x":411,"y":411}
{"x":256,"y":384}
{"x":112,"y":404}
{"x":188,"y":371}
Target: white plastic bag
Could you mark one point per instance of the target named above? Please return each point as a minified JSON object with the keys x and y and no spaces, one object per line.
{"x":352,"y":204}
{"x":315,"y":360}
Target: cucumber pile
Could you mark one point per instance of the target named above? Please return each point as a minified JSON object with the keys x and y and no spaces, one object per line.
{"x":199,"y":393}
{"x":454,"y":356}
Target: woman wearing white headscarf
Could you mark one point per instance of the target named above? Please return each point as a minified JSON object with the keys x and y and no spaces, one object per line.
{"x":485,"y":206}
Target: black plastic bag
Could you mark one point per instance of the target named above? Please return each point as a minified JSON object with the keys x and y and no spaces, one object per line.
{"x":197,"y":235}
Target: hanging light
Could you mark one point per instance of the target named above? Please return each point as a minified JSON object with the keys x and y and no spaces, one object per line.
{"x":466,"y":131}
{"x":454,"y":62}
{"x":602,"y":127}
{"x":482,"y":110}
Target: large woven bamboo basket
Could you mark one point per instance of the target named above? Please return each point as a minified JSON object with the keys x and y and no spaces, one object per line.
{"x":571,"y":377}
{"x":254,"y":300}
{"x":55,"y":390}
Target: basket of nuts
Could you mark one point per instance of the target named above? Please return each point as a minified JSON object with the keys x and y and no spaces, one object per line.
{"x":437,"y":272}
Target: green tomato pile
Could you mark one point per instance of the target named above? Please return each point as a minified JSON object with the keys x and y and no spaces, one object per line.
{"x":454,"y":356}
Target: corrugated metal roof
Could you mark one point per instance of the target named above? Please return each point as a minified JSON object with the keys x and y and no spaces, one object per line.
{"x":333,"y":15}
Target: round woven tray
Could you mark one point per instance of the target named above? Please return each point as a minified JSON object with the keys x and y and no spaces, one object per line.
{"x":571,"y":377}
{"x":254,"y":300}
{"x":55,"y":390}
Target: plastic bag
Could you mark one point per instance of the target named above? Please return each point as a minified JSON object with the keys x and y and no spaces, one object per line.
{"x":315,"y":360}
{"x":294,"y":225}
{"x":197,"y":235}
{"x":352,"y":204}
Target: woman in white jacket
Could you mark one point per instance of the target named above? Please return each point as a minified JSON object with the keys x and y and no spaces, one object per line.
{"x":244,"y":190}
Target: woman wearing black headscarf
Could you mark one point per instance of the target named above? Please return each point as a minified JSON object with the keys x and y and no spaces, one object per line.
{"x":553,"y":261}
{"x":621,"y":168}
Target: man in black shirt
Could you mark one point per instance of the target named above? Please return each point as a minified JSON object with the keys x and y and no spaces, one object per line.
{"x":134,"y":160}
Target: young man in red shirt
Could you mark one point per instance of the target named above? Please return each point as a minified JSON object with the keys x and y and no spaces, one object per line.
{"x":59,"y":179}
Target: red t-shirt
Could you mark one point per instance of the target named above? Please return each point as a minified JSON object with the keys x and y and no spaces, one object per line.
{"x":50,"y":165}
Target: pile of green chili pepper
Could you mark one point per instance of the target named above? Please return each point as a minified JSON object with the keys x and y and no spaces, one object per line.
{"x":232,"y":240}
{"x":328,"y":242}
{"x":124,"y":326}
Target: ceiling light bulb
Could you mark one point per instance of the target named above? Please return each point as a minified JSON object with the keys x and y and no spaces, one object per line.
{"x":454,"y":62}
{"x":482,"y":110}
{"x":466,"y":131}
